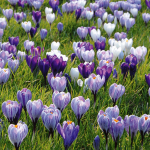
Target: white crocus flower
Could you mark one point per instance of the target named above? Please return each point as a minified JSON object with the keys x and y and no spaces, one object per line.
{"x":80,"y":82}
{"x":26,"y":26}
{"x":89,"y":15}
{"x":48,"y":10}
{"x":128,"y":45}
{"x":116,"y":51}
{"x":134,"y":12}
{"x":104,"y":16}
{"x":50,"y":18}
{"x":55,"y":45}
{"x":81,"y":3}
{"x":95,"y":34}
{"x":109,"y":28}
{"x":115,"y":20}
{"x":74,"y":72}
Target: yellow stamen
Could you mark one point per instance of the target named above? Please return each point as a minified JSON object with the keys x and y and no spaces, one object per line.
{"x":126,"y":40}
{"x":16,"y":126}
{"x":107,"y":61}
{"x":8,"y":103}
{"x":5,"y":70}
{"x":69,"y":122}
{"x":94,"y":77}
{"x":116,"y":120}
{"x":51,"y":112}
{"x":26,"y":23}
{"x":104,"y":114}
{"x":146,"y":118}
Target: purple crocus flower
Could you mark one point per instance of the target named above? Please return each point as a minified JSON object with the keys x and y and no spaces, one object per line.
{"x":60,"y":27}
{"x":23,"y":97}
{"x":115,"y":73}
{"x":18,"y":17}
{"x":88,"y":55}
{"x":13,"y":2}
{"x":100,"y":12}
{"x":73,"y":55}
{"x":44,"y":67}
{"x":118,"y":14}
{"x":58,"y":83}
{"x":132,"y":123}
{"x":147,"y":3}
{"x":32,"y":62}
{"x":107,"y":63}
{"x":37,"y":4}
{"x":124,"y":69}
{"x":51,"y":117}
{"x":113,"y":111}
{"x":144,"y":125}
{"x":100,"y":45}
{"x":17,"y":133}
{"x":80,"y":106}
{"x":86,"y":69}
{"x":146,"y":18}
{"x":116,"y":129}
{"x":4,"y":75}
{"x":21,"y":3}
{"x":12,"y":111}
{"x":36,"y":17}
{"x":43,"y":34}
{"x":34,"y":109}
{"x":114,"y":6}
{"x":95,"y":82}
{"x":82,"y":32}
{"x":14,"y":40}
{"x":61,"y":99}
{"x":2,"y":63}
{"x":147,"y":78}
{"x":129,"y":23}
{"x":1,"y":34}
{"x":33,"y":31}
{"x":11,"y":49}
{"x":110,"y":18}
{"x":125,"y":5}
{"x":96,"y":143}
{"x":119,"y":36}
{"x":78,"y":13}
{"x":13,"y":65}
{"x":27,"y":45}
{"x":36,"y":51}
{"x":104,"y":55}
{"x":116,"y":91}
{"x":54,"y":4}
{"x":68,"y":132}
{"x":94,"y":6}
{"x":8,"y":13}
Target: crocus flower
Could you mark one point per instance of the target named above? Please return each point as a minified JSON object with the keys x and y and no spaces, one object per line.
{"x":55,"y":45}
{"x":89,"y":14}
{"x":95,"y":82}
{"x":11,"y":49}
{"x":17,"y":133}
{"x":99,"y":22}
{"x":51,"y":117}
{"x":134,"y":12}
{"x":58,"y":83}
{"x":1,"y":33}
{"x":124,"y":69}
{"x":116,"y":129}
{"x":95,"y":34}
{"x":144,"y":125}
{"x":107,"y":63}
{"x":100,"y":45}
{"x":34,"y":109}
{"x":129,"y":23}
{"x":23,"y":97}
{"x":13,"y":65}
{"x":90,"y":29}
{"x":147,"y":3}
{"x":115,"y":73}
{"x":50,"y":18}
{"x":48,"y":10}
{"x":44,"y":67}
{"x":74,"y":72}
{"x":18,"y":17}
{"x":36,"y":17}
{"x":115,"y":51}
{"x":109,"y":28}
{"x":80,"y":106}
{"x":4,"y":75}
{"x":33,"y":31}
{"x":12,"y":111}
{"x":36,"y":51}
{"x":86,"y":69}
{"x":82,"y":32}
{"x":146,"y":17}
{"x":21,"y":3}
{"x":147,"y":78}
{"x":13,"y":2}
{"x":3,"y":23}
{"x":96,"y":143}
{"x":8,"y":13}
{"x":54,"y":4}
{"x":112,"y":111}
{"x":100,"y":12}
{"x":26,"y":26}
{"x":2,"y":63}
{"x":88,"y":55}
{"x":132,"y":123}
{"x":27,"y":45}
{"x":43,"y":34}
{"x":119,"y":36}
{"x":104,"y":55}
{"x":37,"y":4}
{"x":14,"y":40}
{"x":60,"y":27}
{"x":110,"y":18}
{"x":68,"y":132}
{"x":116,"y":91}
{"x":61,"y":99}
{"x":78,"y":13}
{"x":5,"y":56}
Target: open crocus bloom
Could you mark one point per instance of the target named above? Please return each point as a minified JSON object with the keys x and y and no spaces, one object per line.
{"x":50,"y":18}
{"x":128,"y":45}
{"x":89,"y":15}
{"x":55,"y":45}
{"x":26,"y":26}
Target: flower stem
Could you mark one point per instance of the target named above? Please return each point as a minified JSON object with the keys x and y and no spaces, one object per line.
{"x":94,"y":98}
{"x":51,"y":132}
{"x":78,"y":121}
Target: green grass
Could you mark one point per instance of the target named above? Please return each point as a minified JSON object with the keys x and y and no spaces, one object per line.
{"x":135,"y":100}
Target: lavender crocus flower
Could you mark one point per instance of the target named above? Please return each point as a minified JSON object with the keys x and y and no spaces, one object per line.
{"x":116,"y":91}
{"x":110,"y":18}
{"x":18,"y":17}
{"x":60,"y":27}
{"x":21,"y":56}
{"x":146,"y":17}
{"x":96,"y":143}
{"x":43,"y":34}
{"x":80,"y":106}
{"x":54,"y":4}
{"x":27,"y":45}
{"x":147,"y":78}
{"x":21,"y":3}
{"x":114,"y":6}
{"x":23,"y":97}
{"x":88,"y":55}
{"x":129,"y":23}
{"x":68,"y":132}
{"x":17,"y":133}
{"x":51,"y":117}
{"x":36,"y":51}
{"x":14,"y":40}
{"x":3,"y":23}
{"x":61,"y":99}
{"x":82,"y":32}
{"x":100,"y":12}
{"x":8,"y":13}
{"x":37,"y":4}
{"x":144,"y":125}
{"x":2,"y":63}
{"x":13,"y":65}
{"x":86,"y":69}
{"x":95,"y":82}
{"x":113,"y":111}
{"x":132,"y":123}
{"x":107,"y":63}
{"x":119,"y":36}
{"x":104,"y":55}
{"x":34,"y":109}
{"x":116,"y":129}
{"x":12,"y":111}
{"x":4,"y":75}
{"x":13,"y":2}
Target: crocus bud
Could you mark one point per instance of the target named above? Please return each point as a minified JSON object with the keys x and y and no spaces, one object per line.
{"x":99,"y":21}
{"x":60,"y":27}
{"x":96,"y":143}
{"x":74,"y":72}
{"x":43,"y":34}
